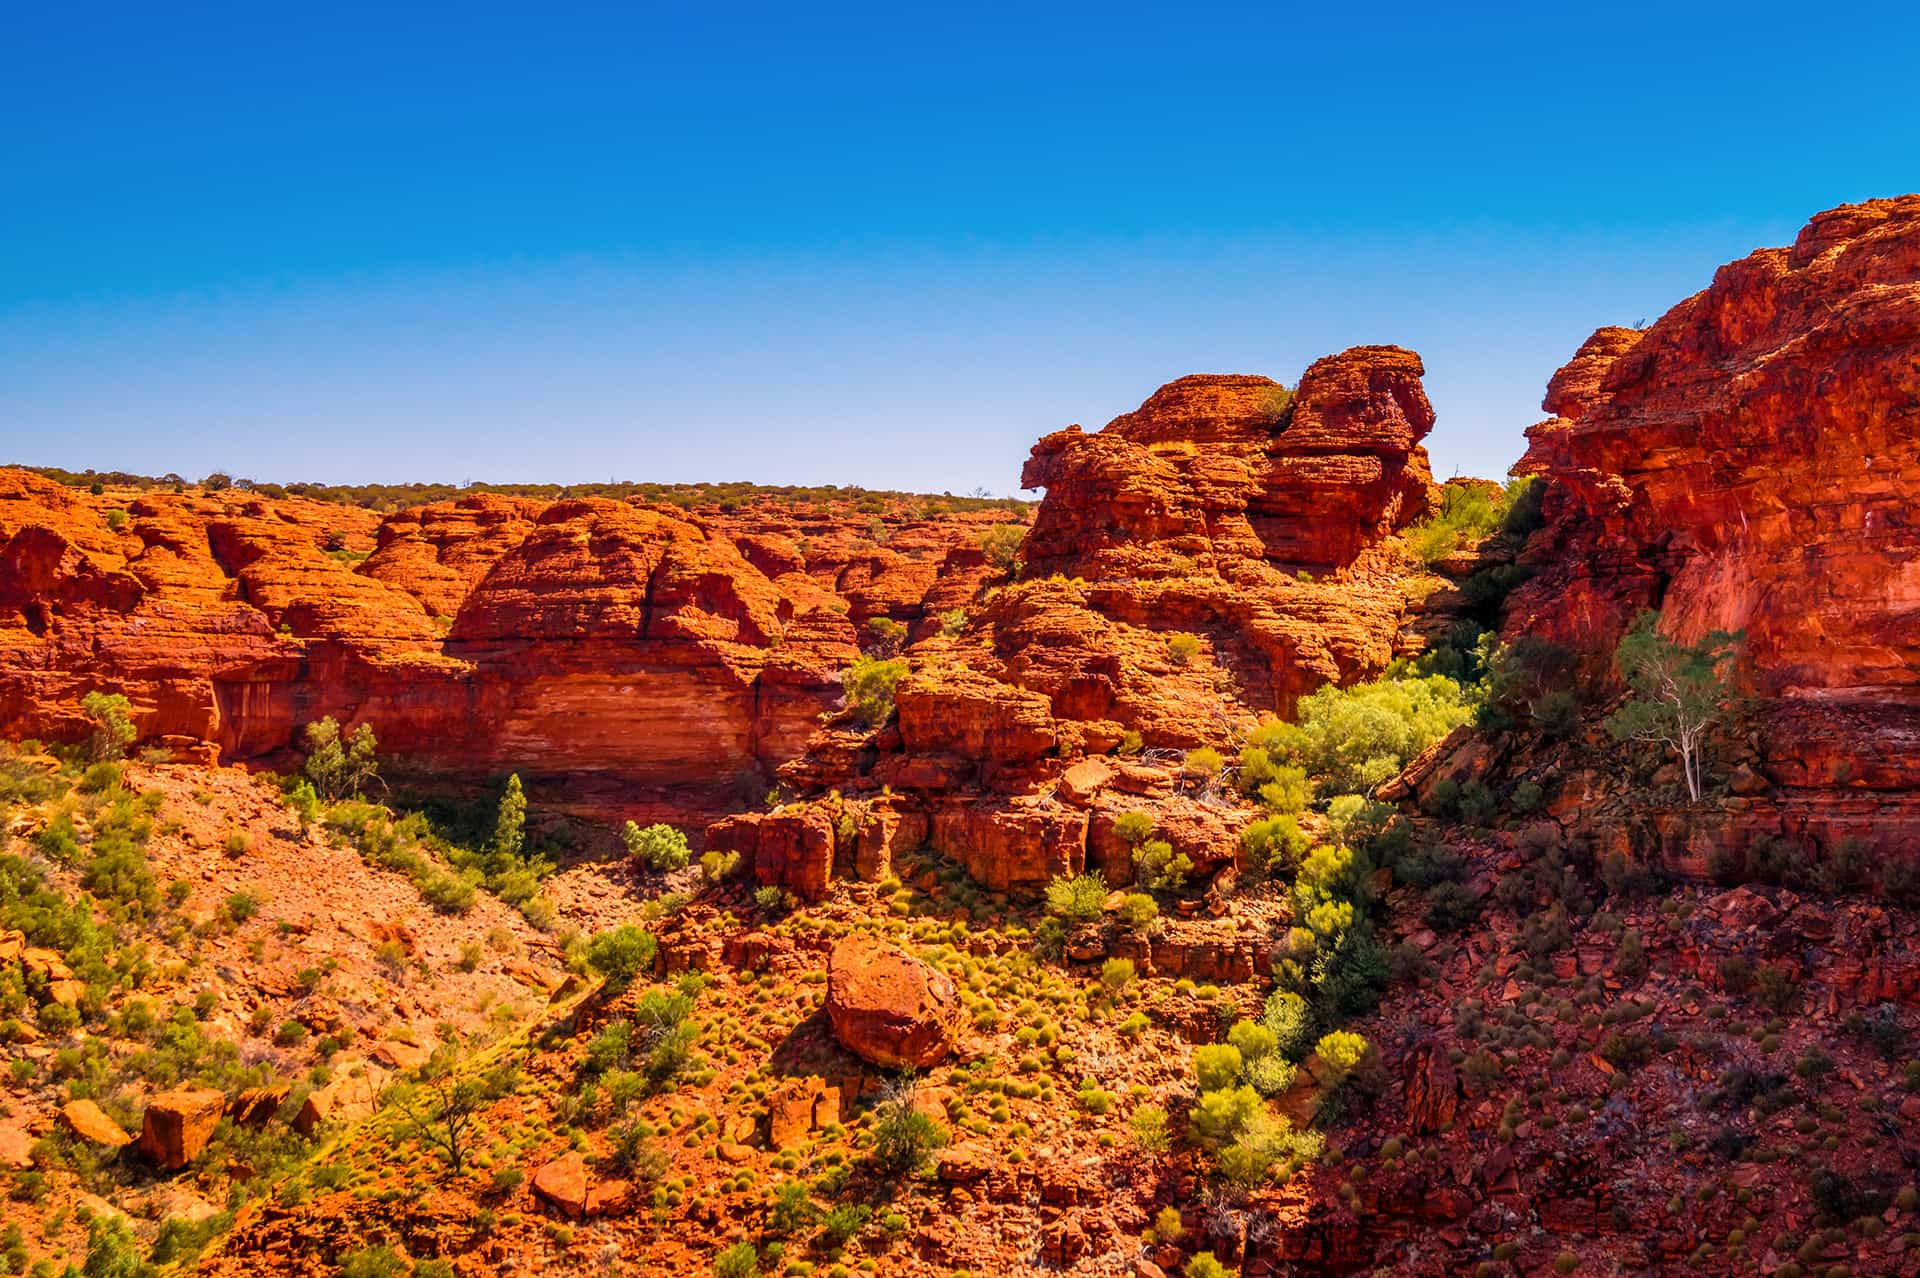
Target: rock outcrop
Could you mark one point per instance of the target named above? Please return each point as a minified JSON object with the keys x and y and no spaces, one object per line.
{"x":178,"y":1125}
{"x":889,"y":1008}
{"x":1235,"y":509}
{"x":1206,"y":559}
{"x":628,"y":659}
{"x":1749,"y":463}
{"x":86,"y":1120}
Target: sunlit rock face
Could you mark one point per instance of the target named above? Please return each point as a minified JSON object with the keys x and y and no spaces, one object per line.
{"x":1750,"y":462}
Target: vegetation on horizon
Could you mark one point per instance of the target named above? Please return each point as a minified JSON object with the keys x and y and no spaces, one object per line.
{"x":387,"y":498}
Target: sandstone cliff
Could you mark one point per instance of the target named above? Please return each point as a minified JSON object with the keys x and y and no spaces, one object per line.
{"x":1206,"y":559}
{"x":1749,"y":462}
{"x":636,"y":659}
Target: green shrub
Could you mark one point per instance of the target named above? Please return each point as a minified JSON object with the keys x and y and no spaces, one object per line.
{"x":1079,"y":899}
{"x":113,"y":729}
{"x":737,"y":1261}
{"x":1282,"y":787}
{"x":303,"y":801}
{"x":843,"y":1222}
{"x":1252,"y":1040}
{"x":869,"y":684}
{"x":1182,"y":649}
{"x":792,"y":1210}
{"x":1216,"y":1066}
{"x":1138,"y":911}
{"x":1274,"y":842}
{"x":1271,"y":1074}
{"x":1340,"y":1051}
{"x":887,"y":634}
{"x":1218,"y":1116}
{"x":1205,"y":1265}
{"x":1116,"y":974}
{"x":448,"y":893}
{"x":659,"y":846}
{"x":101,"y":777}
{"x":1290,"y":1020}
{"x":112,"y":1250}
{"x":717,"y":866}
{"x":1149,"y":1126}
{"x":904,"y":1137}
{"x":1352,"y":739}
{"x":1469,"y":513}
{"x":1159,"y":868}
{"x":620,"y":954}
{"x":1202,"y":763}
{"x":1132,"y":828}
{"x":373,"y":1262}
{"x":952,"y":622}
{"x":1001,"y":543}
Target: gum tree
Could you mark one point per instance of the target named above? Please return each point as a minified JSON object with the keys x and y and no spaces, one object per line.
{"x":1680,"y":692}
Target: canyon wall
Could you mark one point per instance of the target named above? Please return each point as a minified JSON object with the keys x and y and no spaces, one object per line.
{"x":1749,"y":463}
{"x":629,"y":658}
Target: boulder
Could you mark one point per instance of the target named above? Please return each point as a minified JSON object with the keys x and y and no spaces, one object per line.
{"x":562,"y":1185}
{"x":91,"y":1123}
{"x":800,"y":1107}
{"x":178,"y":1125}
{"x":566,"y":1186}
{"x":254,"y":1106}
{"x":889,"y":1008}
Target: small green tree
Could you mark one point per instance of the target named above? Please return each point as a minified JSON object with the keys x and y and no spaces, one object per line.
{"x":621,"y":953}
{"x":510,"y":822}
{"x":1680,"y":691}
{"x":443,"y":1108}
{"x":869,"y":684}
{"x":339,"y":768}
{"x":659,"y":845}
{"x":1001,"y":544}
{"x":1079,"y":899}
{"x":113,"y":729}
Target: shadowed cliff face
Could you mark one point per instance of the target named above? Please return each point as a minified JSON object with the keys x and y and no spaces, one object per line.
{"x":1750,"y":462}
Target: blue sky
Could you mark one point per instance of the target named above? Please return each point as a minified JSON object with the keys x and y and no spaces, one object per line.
{"x":858,"y":244}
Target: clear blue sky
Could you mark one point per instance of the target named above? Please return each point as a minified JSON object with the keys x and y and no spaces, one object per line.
{"x":886,"y":245}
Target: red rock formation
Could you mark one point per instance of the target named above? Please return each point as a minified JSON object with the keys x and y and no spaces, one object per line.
{"x":631,"y":659}
{"x":178,"y":1125}
{"x":888,"y":1008}
{"x":627,"y":659}
{"x":1749,"y":463}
